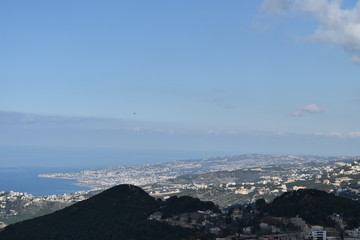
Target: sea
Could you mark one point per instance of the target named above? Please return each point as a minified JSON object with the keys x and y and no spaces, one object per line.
{"x":20,"y":166}
{"x":25,"y":179}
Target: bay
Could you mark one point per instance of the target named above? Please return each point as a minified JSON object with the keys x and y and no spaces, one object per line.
{"x":26,"y":180}
{"x":20,"y":166}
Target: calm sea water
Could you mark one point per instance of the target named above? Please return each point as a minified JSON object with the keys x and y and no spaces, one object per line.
{"x":20,"y":166}
{"x":26,"y":180}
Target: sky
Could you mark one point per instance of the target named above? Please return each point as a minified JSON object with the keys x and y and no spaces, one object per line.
{"x":252,"y":76}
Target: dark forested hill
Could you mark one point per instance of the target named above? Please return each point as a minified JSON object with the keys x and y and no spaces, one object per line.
{"x":315,"y":207}
{"x":118,"y":213}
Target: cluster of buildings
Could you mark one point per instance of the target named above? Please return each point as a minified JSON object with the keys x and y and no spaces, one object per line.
{"x":16,"y":206}
{"x":144,"y":174}
{"x":238,"y":224}
{"x":274,"y":176}
{"x":267,"y":183}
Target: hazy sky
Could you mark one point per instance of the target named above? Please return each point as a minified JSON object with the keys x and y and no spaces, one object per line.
{"x":227,"y":71}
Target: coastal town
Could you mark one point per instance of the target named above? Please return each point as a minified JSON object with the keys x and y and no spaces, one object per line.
{"x":146,"y":174}
{"x":247,"y":185}
{"x":262,"y":177}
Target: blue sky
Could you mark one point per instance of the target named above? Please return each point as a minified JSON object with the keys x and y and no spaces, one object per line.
{"x":273,"y":76}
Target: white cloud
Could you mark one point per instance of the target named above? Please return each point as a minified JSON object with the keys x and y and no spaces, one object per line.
{"x":356,"y":59}
{"x":297,"y":114}
{"x":312,"y":108}
{"x":353,"y":134}
{"x":330,"y":134}
{"x":136,"y":129}
{"x":335,"y":24}
{"x":276,"y":6}
{"x":212,"y":132}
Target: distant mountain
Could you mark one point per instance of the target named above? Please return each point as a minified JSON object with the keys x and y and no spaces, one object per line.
{"x":117,"y":213}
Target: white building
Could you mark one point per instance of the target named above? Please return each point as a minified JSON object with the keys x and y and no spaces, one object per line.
{"x":317,"y":233}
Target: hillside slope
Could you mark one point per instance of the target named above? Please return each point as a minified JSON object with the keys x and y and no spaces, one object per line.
{"x":118,"y":213}
{"x":315,"y":207}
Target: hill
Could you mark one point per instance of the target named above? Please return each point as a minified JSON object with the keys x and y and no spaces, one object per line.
{"x":315,"y":207}
{"x":120,"y":212}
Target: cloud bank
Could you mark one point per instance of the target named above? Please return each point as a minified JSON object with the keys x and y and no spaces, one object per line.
{"x":353,"y":134}
{"x":335,"y":24}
